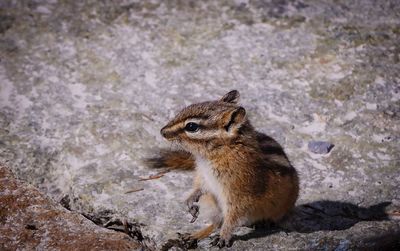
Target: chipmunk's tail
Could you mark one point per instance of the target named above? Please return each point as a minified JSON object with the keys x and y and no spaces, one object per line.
{"x":172,"y":159}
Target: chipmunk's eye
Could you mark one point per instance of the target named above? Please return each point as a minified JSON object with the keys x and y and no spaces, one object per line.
{"x":192,"y":127}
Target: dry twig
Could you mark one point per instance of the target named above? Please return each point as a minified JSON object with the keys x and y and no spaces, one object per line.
{"x":134,"y":190}
{"x":155,"y":176}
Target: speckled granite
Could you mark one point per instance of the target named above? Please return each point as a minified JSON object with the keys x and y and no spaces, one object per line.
{"x":85,"y":88}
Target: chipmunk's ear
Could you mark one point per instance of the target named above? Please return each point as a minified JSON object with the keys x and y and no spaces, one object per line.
{"x":235,"y":119}
{"x":231,"y":97}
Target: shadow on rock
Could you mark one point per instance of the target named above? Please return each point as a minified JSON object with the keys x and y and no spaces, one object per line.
{"x":333,"y":215}
{"x":322,"y":215}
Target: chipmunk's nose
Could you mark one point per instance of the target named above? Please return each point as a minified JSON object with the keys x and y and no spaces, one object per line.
{"x":165,"y":133}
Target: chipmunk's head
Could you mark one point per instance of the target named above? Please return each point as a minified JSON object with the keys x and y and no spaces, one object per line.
{"x":203,"y":126}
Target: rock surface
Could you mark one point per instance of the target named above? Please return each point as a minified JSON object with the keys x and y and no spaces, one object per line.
{"x":86,"y":86}
{"x":30,"y":221}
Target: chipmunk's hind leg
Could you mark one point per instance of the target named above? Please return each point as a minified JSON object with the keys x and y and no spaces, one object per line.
{"x":231,"y":221}
{"x":172,"y":159}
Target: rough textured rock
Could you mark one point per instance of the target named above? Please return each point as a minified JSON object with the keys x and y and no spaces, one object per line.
{"x":86,"y":86}
{"x":30,"y":221}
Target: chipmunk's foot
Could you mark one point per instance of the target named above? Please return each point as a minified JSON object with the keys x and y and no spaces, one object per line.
{"x":194,"y":211}
{"x":184,"y":241}
{"x":221,"y":242}
{"x":185,"y":237}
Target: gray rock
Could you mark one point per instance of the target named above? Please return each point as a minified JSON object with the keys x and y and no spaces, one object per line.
{"x":85,"y":87}
{"x":320,"y":147}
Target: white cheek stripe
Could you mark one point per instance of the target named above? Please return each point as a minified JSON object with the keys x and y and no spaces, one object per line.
{"x":203,"y":134}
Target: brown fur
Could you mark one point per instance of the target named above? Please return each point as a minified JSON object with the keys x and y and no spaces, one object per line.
{"x":257,"y":180}
{"x":172,"y":160}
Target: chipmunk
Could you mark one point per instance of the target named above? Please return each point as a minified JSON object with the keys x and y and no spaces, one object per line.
{"x":242,"y":174}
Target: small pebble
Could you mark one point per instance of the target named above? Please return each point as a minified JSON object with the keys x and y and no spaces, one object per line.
{"x":320,"y":147}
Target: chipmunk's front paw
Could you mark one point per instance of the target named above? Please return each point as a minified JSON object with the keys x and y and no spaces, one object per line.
{"x":192,"y":208}
{"x":194,"y":211}
{"x":221,"y":242}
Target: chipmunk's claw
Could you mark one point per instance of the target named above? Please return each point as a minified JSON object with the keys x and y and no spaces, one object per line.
{"x":183,"y":242}
{"x":184,"y":236}
{"x":194,"y":211}
{"x":220,"y":242}
{"x":190,"y":202}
